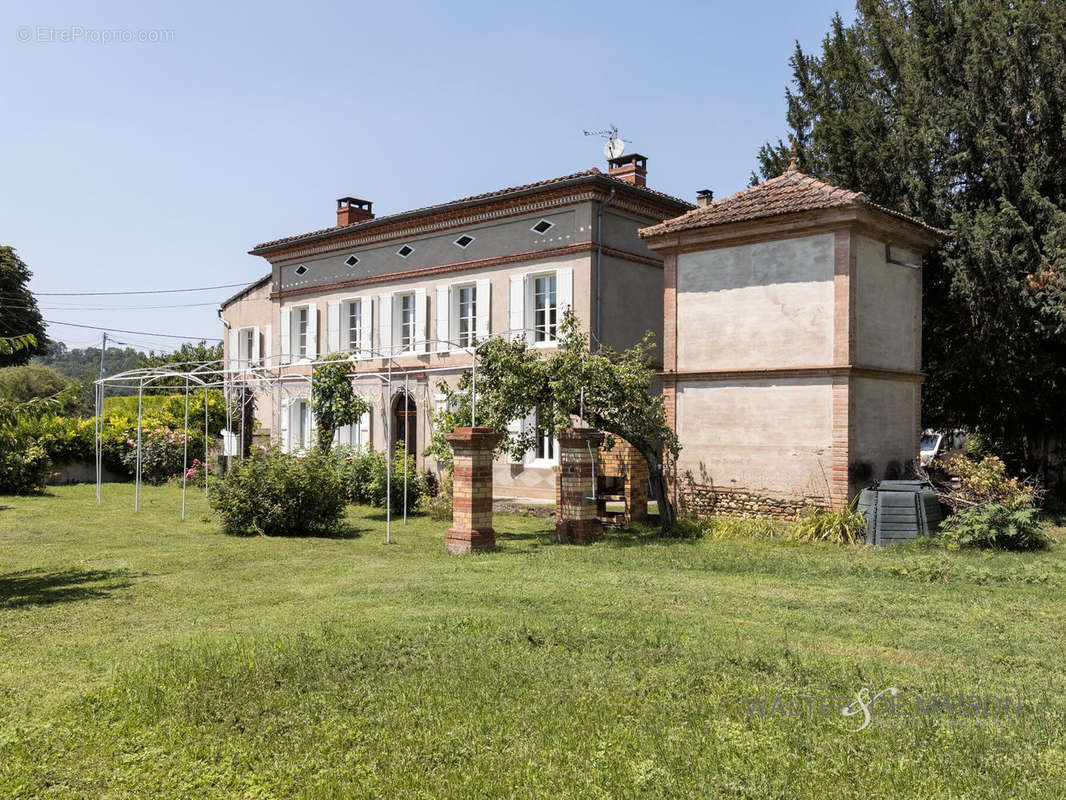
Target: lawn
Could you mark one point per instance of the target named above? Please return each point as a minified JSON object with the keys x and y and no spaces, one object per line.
{"x":145,"y":657}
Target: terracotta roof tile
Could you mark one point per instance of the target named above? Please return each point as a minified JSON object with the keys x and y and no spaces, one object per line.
{"x":591,"y":174}
{"x":789,"y":193}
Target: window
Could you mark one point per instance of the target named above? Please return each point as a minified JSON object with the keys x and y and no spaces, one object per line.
{"x":545,"y":447}
{"x":407,"y":321}
{"x":301,"y":425}
{"x":545,"y":308}
{"x":301,"y":270}
{"x":246,"y":346}
{"x":467,"y":315}
{"x":405,"y":251}
{"x":543,"y":226}
{"x":464,"y":241}
{"x":351,"y":261}
{"x":303,"y":322}
{"x":354,"y":315}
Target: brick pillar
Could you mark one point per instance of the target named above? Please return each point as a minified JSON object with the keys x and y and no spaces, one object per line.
{"x":471,"y":490}
{"x":575,"y":510}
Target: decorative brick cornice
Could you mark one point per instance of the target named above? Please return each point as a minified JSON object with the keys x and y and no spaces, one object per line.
{"x":577,"y":248}
{"x":407,"y":227}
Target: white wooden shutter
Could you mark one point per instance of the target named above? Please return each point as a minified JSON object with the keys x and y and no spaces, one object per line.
{"x":517,"y":315}
{"x":364,"y":431}
{"x":234,"y":354}
{"x":385,"y":323}
{"x":443,"y":333}
{"x":343,"y":436}
{"x":268,"y":344}
{"x":285,"y":351}
{"x":483,"y":298}
{"x":333,"y":326}
{"x":255,"y":345}
{"x":421,"y":307}
{"x":283,"y":424}
{"x":366,"y":307}
{"x":312,"y":332}
{"x":564,"y":291}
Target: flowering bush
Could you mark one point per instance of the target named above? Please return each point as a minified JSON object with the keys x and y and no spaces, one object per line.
{"x":24,"y":467}
{"x":162,"y":454}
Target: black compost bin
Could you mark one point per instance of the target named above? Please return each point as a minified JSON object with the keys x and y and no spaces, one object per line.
{"x":899,"y":510}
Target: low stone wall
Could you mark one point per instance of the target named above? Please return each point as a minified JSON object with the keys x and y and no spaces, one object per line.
{"x":705,"y":501}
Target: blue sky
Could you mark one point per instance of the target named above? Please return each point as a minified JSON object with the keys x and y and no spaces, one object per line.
{"x":156,"y":165}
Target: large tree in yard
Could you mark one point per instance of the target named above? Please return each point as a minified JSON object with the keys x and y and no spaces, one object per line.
{"x":19,"y":314}
{"x":954,"y":111}
{"x":613,"y":392}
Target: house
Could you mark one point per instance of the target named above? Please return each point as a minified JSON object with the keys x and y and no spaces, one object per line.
{"x":410,"y":290}
{"x":792,"y":344}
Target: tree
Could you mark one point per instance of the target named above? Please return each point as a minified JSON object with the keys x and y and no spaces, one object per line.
{"x":19,"y":315}
{"x":31,"y":381}
{"x":954,"y":112}
{"x":610,"y":391}
{"x":207,"y":359}
{"x":333,"y":398}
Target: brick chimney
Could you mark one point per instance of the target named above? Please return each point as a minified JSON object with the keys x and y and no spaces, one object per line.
{"x":704,"y":197}
{"x":631,"y":169}
{"x":352,"y":209}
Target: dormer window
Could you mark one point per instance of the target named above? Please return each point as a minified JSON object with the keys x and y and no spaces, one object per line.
{"x":351,"y":261}
{"x":543,"y":226}
{"x":405,"y":251}
{"x":464,"y":241}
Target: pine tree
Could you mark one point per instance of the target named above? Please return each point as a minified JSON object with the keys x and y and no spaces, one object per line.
{"x":955,"y":112}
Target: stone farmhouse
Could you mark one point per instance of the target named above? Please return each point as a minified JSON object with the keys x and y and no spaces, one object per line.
{"x":790,"y":317}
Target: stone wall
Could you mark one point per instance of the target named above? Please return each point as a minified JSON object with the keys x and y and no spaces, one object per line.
{"x":702,"y":500}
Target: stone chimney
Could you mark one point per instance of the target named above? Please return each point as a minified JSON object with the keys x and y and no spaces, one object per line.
{"x":704,"y":197}
{"x":351,"y":210}
{"x":631,"y":169}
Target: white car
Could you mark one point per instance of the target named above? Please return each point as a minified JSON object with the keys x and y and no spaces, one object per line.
{"x":939,"y":444}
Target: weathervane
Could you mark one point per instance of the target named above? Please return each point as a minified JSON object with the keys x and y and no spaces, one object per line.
{"x":615,"y":145}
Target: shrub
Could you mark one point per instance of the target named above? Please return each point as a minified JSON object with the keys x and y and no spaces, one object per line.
{"x":24,"y":467}
{"x":846,"y":525}
{"x":32,"y":381}
{"x":355,"y":468}
{"x":162,"y":454}
{"x":744,"y":528}
{"x":278,"y":494}
{"x":439,"y":504}
{"x":997,"y":526}
{"x":985,"y":481}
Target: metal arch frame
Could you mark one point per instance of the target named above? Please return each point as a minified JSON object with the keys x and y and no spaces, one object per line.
{"x":276,"y":377}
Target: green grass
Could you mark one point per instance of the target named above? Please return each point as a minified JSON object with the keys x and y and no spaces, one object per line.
{"x":144,"y":657}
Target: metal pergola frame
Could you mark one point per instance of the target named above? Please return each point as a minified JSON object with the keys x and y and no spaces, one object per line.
{"x":277,"y":378}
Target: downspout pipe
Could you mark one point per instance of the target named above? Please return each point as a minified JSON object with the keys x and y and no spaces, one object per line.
{"x":599,"y":261}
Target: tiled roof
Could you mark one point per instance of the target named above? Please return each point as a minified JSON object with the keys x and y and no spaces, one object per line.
{"x":246,"y":290}
{"x":789,"y":193}
{"x":592,"y":174}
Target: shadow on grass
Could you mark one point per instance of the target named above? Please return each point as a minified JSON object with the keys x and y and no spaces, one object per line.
{"x":344,"y":530}
{"x":36,"y":587}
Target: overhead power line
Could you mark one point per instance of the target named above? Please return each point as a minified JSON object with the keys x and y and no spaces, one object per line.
{"x":135,"y":333}
{"x":143,"y":291}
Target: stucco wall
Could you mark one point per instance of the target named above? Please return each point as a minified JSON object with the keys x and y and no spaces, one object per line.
{"x":773,"y":437}
{"x":754,"y":306}
{"x":632,"y":300}
{"x":889,"y":307}
{"x":886,"y":423}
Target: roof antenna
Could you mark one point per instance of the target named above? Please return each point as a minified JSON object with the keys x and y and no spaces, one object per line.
{"x":615,"y":146}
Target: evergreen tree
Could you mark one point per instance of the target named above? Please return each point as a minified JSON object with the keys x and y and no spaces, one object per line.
{"x":954,"y":111}
{"x":19,"y":314}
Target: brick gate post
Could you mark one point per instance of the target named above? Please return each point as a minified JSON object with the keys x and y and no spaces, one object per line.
{"x":575,"y":508}
{"x":471,"y":490}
